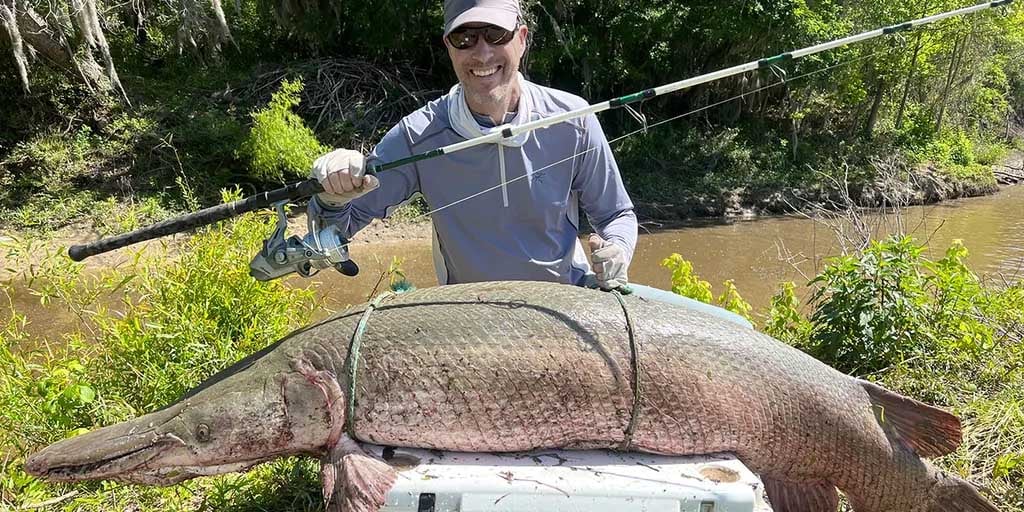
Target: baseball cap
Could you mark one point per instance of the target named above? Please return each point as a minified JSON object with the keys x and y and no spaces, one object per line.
{"x":502,"y":13}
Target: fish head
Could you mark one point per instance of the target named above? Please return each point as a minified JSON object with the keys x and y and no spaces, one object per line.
{"x":232,"y":425}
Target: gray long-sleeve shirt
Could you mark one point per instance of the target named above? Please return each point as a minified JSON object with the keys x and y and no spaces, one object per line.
{"x":532,"y":237}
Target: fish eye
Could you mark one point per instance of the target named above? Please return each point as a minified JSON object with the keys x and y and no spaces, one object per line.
{"x":203,"y":433}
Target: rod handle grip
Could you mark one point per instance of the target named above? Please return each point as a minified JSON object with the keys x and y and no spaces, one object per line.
{"x":197,"y":219}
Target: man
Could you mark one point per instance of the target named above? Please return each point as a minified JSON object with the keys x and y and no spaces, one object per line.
{"x":506,"y":211}
{"x":526,"y":226}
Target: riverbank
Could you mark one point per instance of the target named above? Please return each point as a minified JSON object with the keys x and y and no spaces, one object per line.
{"x":925,"y":186}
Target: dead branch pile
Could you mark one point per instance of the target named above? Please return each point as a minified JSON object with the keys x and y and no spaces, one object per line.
{"x":368,"y":97}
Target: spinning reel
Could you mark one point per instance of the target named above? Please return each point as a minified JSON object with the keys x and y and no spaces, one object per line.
{"x":319,"y":249}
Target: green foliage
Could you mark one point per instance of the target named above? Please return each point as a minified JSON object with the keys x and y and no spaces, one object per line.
{"x":731,"y":300}
{"x":873,"y":311}
{"x":957,"y":301}
{"x":869,"y":309}
{"x":280,"y":145}
{"x":990,"y":102}
{"x":50,"y":160}
{"x":686,"y":283}
{"x":1009,"y":465}
{"x":783,"y":319}
{"x":673,"y":163}
{"x":64,"y":393}
{"x":952,"y":148}
{"x":179,"y":321}
{"x":114,"y":217}
{"x":989,"y":152}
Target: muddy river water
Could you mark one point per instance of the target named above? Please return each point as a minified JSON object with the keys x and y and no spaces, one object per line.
{"x":757,"y":254}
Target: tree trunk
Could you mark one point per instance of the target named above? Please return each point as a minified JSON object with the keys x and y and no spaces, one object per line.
{"x":869,"y":128}
{"x":10,"y":25}
{"x":794,"y":137}
{"x":906,"y":84}
{"x":46,"y":41}
{"x":954,"y":62}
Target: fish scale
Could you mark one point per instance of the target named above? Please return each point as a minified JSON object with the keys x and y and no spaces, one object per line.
{"x":563,"y":376}
{"x":517,"y":366}
{"x":559,"y":363}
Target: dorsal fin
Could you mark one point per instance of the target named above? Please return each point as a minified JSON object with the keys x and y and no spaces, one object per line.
{"x":931,"y":432}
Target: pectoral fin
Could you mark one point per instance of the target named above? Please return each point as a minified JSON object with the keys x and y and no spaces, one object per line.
{"x":354,"y":481}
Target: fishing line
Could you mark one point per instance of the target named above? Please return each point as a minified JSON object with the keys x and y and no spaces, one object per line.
{"x":311,"y":186}
{"x":508,"y":131}
{"x":648,"y":126}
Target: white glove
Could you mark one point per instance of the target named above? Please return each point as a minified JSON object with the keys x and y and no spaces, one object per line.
{"x":610,"y":263}
{"x":341,"y":174}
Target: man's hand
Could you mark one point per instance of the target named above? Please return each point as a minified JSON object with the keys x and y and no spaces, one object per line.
{"x":610,"y":263}
{"x":341,"y":174}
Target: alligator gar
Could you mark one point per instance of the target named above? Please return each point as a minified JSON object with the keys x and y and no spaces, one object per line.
{"x":517,"y":366}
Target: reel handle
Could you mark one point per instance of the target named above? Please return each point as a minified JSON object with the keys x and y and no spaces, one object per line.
{"x":347,"y":267}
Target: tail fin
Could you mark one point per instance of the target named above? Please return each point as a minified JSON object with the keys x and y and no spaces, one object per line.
{"x":931,"y":432}
{"x":952,"y":494}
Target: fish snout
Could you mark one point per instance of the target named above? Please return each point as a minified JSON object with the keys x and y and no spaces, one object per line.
{"x":36,"y":465}
{"x":103,"y":452}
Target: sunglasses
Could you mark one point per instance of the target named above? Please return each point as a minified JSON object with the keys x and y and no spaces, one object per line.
{"x":465,"y":38}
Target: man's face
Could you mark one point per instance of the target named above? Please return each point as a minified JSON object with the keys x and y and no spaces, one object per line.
{"x":486,"y":71}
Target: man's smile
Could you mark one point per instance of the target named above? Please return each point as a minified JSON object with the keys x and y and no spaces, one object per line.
{"x":485,"y":72}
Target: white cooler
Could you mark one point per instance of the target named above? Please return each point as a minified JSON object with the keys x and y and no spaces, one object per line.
{"x":569,"y":481}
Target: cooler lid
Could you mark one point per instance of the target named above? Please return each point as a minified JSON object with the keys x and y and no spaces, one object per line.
{"x":569,"y":481}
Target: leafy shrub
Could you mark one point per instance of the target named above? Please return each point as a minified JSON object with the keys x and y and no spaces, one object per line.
{"x":958,"y":301}
{"x":731,"y":300}
{"x":918,"y":127}
{"x":280,"y":145}
{"x":874,"y":310}
{"x":869,"y":310}
{"x":675,"y":163}
{"x":686,"y":283}
{"x":50,"y":160}
{"x":783,"y":319}
{"x":952,"y":147}
{"x":113,"y":216}
{"x":990,"y":152}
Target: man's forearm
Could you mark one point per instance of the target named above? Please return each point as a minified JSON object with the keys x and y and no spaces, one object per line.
{"x":620,"y":229}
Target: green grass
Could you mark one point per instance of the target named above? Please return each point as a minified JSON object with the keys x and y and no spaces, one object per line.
{"x":181,"y":320}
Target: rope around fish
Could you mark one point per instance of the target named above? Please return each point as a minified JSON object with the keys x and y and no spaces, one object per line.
{"x":356,"y":343}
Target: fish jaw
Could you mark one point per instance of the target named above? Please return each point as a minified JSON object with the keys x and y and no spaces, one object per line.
{"x":230,"y":426}
{"x":114,"y":452}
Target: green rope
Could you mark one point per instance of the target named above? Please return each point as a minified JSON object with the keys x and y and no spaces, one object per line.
{"x":591,"y":283}
{"x":634,"y":360}
{"x":353,"y":360}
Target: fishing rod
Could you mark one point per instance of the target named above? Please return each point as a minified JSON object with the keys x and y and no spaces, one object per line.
{"x":320,"y":249}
